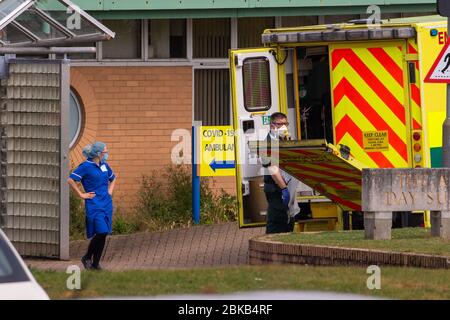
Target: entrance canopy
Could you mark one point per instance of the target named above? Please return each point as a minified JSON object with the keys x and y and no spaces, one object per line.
{"x":47,"y":23}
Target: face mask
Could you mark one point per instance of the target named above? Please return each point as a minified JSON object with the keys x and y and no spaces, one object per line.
{"x":281,"y":133}
{"x":105,"y":156}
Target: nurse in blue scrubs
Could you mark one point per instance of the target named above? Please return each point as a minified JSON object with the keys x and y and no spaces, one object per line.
{"x":98,"y":181}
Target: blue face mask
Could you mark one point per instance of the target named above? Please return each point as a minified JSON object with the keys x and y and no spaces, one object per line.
{"x":105,"y":156}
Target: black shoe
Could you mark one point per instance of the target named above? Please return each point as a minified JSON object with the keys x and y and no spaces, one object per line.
{"x":87,"y":263}
{"x":302,"y":216}
{"x":97,"y":268}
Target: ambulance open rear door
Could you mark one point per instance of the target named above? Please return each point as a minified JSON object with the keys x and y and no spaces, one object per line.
{"x":255,"y":96}
{"x":323,"y":167}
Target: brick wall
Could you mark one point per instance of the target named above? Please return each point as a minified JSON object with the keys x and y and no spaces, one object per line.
{"x":135,"y":110}
{"x":265,"y":250}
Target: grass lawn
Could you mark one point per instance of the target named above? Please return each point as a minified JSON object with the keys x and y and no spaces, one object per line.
{"x":401,"y":283}
{"x":417,"y":240}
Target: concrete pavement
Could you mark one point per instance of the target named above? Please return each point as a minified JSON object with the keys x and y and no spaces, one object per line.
{"x":199,"y":246}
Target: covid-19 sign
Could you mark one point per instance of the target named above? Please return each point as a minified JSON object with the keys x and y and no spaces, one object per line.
{"x":217,"y":151}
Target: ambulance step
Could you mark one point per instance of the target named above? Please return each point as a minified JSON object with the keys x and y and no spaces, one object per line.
{"x":328,"y":224}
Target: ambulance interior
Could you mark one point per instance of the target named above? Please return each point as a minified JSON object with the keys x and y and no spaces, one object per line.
{"x":314,"y":93}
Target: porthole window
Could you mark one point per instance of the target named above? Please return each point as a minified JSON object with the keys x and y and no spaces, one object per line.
{"x":76,"y":118}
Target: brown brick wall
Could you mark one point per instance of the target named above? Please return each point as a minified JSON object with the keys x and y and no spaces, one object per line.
{"x":262,"y":250}
{"x":226,"y":183}
{"x":134,"y":110}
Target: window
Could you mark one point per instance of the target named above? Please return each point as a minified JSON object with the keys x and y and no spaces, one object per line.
{"x":10,"y":268}
{"x":341,"y":18}
{"x":384,"y":15}
{"x":417,"y":14}
{"x":387,"y":15}
{"x":251,"y":29}
{"x":212,"y":97}
{"x":167,"y":39}
{"x":256,"y":81}
{"x":299,"y":21}
{"x":76,"y":118}
{"x":127,"y":44}
{"x":12,"y":35}
{"x":212,"y":38}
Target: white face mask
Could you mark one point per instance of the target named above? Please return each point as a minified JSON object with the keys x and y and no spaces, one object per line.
{"x":281,"y":132}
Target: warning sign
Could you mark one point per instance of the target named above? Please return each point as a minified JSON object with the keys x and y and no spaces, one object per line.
{"x":217,"y":151}
{"x":376,"y":141}
{"x":440,"y":71}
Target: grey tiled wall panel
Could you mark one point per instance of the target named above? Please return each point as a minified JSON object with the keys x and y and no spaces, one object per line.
{"x":30,"y":146}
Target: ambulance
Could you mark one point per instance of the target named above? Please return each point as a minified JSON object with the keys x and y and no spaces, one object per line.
{"x":355,"y":97}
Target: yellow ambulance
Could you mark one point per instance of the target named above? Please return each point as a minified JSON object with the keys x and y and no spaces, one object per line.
{"x":355,"y":97}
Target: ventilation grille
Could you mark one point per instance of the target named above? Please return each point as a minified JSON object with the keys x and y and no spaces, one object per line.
{"x":30,"y":106}
{"x":212,"y":97}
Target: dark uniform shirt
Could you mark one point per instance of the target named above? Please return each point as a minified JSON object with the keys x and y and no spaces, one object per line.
{"x":268,"y":161}
{"x":277,"y":211}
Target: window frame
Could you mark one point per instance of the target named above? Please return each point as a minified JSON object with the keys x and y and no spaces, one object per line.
{"x":143,"y":41}
{"x":230,"y":43}
{"x":258,"y":109}
{"x":146,"y":43}
{"x":80,"y":108}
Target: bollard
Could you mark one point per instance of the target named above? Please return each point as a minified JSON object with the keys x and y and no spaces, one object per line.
{"x":378,"y":225}
{"x":440,"y":224}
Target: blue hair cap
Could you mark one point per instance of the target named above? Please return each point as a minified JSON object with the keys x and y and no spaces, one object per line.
{"x":93,"y":150}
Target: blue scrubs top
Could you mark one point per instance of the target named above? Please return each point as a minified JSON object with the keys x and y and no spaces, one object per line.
{"x":95,"y":178}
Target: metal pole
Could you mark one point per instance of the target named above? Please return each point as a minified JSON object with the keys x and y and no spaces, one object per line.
{"x":446,"y":127}
{"x":40,"y":50}
{"x":64,"y":214}
{"x":195,"y":182}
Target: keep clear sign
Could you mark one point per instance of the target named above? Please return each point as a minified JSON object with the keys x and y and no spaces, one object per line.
{"x":217,"y":151}
{"x":376,"y":141}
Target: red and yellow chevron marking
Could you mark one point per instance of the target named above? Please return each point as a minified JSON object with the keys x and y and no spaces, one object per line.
{"x":325,"y":172}
{"x":416,"y":104}
{"x":368,"y":96}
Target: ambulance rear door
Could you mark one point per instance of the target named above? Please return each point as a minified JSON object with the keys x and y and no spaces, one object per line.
{"x":370,"y":98}
{"x":323,"y":167}
{"x":255,"y":88}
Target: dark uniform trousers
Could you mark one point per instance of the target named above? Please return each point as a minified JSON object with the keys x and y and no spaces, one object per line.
{"x":277,"y":213}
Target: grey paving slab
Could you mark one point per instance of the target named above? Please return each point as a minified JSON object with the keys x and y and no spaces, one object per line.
{"x":195,"y":247}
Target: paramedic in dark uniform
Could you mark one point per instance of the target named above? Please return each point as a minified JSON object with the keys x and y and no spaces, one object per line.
{"x":275,"y":185}
{"x":98,"y":181}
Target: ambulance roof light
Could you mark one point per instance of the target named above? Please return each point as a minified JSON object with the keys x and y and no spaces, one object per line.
{"x":313,"y":36}
{"x":367,"y":21}
{"x":381,"y":33}
{"x":404,"y":33}
{"x":358,"y":34}
{"x":267,"y":37}
{"x":339,"y":35}
{"x":334,"y":35}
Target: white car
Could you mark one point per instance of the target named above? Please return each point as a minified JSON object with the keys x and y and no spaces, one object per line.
{"x":16,"y":281}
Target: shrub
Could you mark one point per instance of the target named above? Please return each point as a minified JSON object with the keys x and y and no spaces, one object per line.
{"x":77,"y":217}
{"x":123,"y":224}
{"x":164,"y":202}
{"x":165,"y":205}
